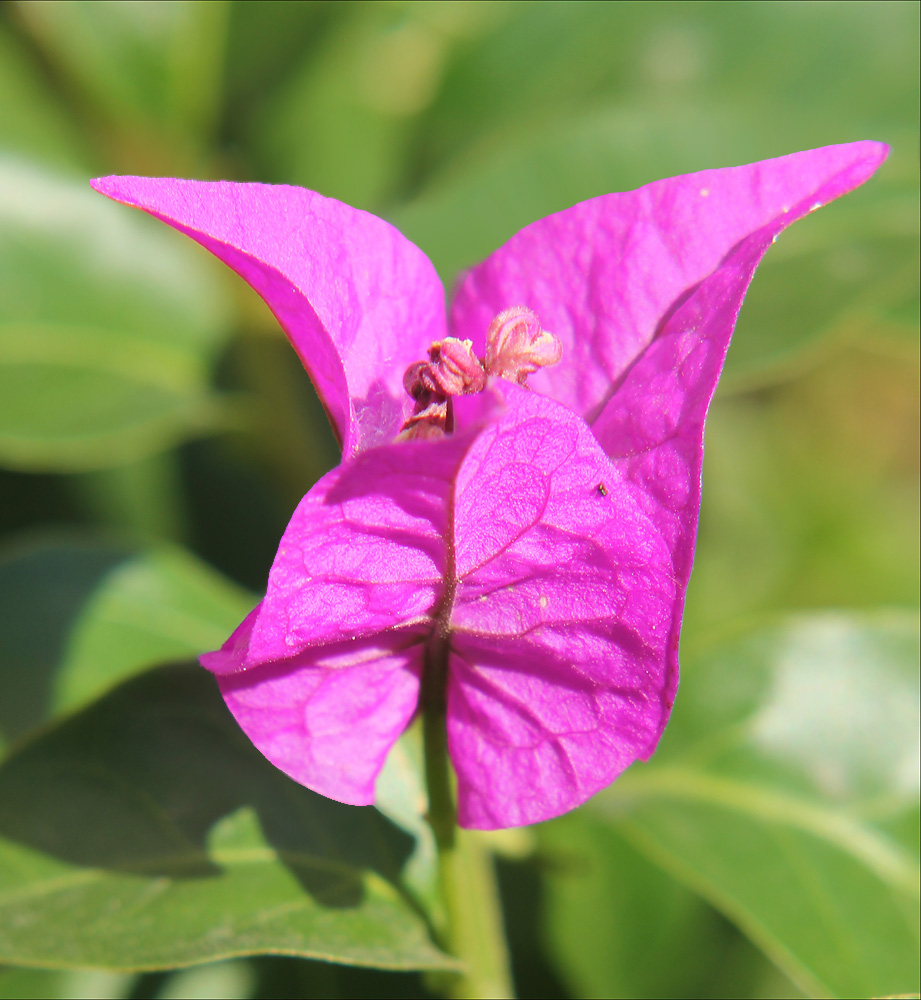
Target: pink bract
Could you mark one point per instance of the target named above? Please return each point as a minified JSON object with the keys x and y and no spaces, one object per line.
{"x":551,"y":534}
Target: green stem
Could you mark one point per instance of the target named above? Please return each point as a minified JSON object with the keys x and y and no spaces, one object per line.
{"x":472,"y":929}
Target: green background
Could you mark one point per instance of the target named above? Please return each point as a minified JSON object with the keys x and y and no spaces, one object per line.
{"x":156,"y":432}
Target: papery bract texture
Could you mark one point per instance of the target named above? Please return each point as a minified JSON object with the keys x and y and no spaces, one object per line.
{"x":562,"y":594}
{"x":357,"y":300}
{"x":558,"y":673}
{"x":550,"y":537}
{"x":604,"y":274}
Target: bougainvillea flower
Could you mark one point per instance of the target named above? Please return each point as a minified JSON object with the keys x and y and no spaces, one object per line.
{"x":525,"y":499}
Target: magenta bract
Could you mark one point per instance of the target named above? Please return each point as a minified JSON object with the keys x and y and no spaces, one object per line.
{"x":551,"y":534}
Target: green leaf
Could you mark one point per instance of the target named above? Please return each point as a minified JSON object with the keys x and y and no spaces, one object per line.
{"x":836,"y":275}
{"x":400,"y":794}
{"x":335,"y":93}
{"x":44,"y":587}
{"x":235,"y":978}
{"x":108,"y":328}
{"x":610,"y":915}
{"x":162,"y":838}
{"x":785,"y":792}
{"x":811,"y":494}
{"x":162,"y":605}
{"x":78,"y":617}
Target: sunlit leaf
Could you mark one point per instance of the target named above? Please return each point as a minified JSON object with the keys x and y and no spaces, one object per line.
{"x":69,"y":984}
{"x":79,"y":616}
{"x":159,"y":606}
{"x":610,"y":915}
{"x":786,"y":793}
{"x":44,"y":587}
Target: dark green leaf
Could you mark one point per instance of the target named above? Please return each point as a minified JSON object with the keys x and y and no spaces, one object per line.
{"x":162,"y":838}
{"x":159,"y":606}
{"x":44,"y":587}
{"x":77,"y":617}
{"x":786,"y":793}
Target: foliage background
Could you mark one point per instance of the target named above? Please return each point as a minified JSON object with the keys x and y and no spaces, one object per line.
{"x":156,"y":432}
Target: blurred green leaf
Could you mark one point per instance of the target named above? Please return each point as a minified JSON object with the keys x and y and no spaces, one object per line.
{"x":611,"y":915}
{"x":143,"y":64}
{"x":785,"y":792}
{"x":811,"y":493}
{"x":524,"y":127}
{"x":826,"y":276}
{"x":224,"y":980}
{"x":107,"y":328}
{"x":378,"y":67}
{"x":162,"y":838}
{"x":330,"y":96}
{"x":844,"y":67}
{"x":32,"y":121}
{"x":56,"y":415}
{"x":835,"y":274}
{"x":144,"y":498}
{"x":266,"y":43}
{"x":71,"y":984}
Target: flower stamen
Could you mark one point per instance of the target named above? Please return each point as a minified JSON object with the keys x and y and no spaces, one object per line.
{"x":516,"y":346}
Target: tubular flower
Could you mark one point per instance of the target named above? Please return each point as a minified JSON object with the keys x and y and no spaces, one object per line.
{"x":518,"y":495}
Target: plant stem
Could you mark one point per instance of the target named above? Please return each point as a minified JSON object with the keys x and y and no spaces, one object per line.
{"x":472,"y":929}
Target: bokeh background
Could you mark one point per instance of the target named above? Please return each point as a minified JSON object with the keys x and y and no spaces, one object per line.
{"x":156,"y":431}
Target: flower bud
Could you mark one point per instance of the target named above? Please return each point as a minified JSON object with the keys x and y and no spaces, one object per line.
{"x":455,"y":367}
{"x":418,"y":381}
{"x":516,"y":346}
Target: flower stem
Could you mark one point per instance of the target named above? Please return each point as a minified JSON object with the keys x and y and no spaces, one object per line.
{"x":472,"y":929}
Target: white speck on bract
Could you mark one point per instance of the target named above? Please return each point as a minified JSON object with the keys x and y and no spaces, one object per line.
{"x":704,"y":193}
{"x":543,"y":602}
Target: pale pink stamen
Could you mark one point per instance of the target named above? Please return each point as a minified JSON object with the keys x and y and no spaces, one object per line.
{"x":516,"y":346}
